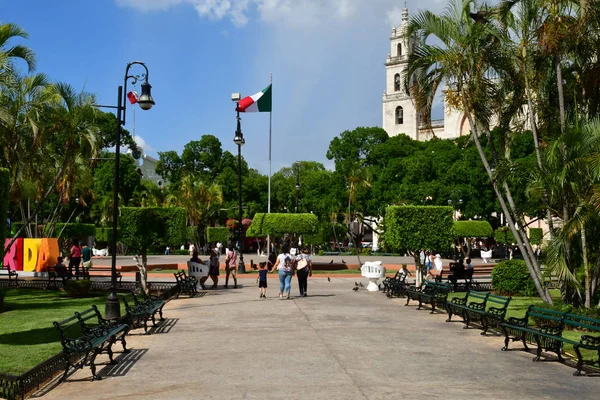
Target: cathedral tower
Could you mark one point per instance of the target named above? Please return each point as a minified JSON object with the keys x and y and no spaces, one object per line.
{"x":399,"y":111}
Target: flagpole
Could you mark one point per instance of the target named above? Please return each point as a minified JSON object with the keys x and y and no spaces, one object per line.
{"x":269,"y":191}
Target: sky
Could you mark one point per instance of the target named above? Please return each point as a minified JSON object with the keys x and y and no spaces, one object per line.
{"x":326,"y":58}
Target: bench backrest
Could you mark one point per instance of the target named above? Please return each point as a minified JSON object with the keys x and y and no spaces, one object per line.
{"x":582,"y":322}
{"x":497,"y":301}
{"x":545,"y":316}
{"x":89,"y":318}
{"x":129,"y":301}
{"x":68,"y":329}
{"x":473,"y":296}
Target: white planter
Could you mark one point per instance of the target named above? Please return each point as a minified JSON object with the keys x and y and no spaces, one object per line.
{"x":373,"y":270}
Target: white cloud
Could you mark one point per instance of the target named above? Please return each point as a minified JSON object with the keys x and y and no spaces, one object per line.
{"x":142,"y":143}
{"x":148,"y":5}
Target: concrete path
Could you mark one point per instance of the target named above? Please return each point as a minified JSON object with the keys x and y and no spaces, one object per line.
{"x":335,"y":344}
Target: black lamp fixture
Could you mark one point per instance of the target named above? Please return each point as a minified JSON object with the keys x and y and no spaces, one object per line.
{"x":238,"y":139}
{"x":113,"y":308}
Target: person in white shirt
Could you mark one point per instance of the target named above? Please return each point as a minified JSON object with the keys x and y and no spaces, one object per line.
{"x":231,"y":264}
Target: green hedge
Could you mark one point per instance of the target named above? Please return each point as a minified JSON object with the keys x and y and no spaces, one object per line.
{"x":4,"y":189}
{"x":512,"y":278}
{"x":501,"y":238}
{"x":104,"y":234}
{"x":74,"y":231}
{"x":217,"y":234}
{"x":143,"y":228}
{"x":472,"y":229}
{"x":536,"y":235}
{"x":412,"y":228}
{"x":278,"y":224}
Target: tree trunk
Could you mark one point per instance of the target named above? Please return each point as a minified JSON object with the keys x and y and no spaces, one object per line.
{"x":418,"y":268}
{"x":143,"y":270}
{"x":588,"y":292}
{"x":561,"y":96}
{"x":534,"y":274}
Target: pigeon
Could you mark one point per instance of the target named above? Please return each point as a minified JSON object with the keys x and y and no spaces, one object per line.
{"x":355,"y":288}
{"x":328,"y":279}
{"x":343,"y":262}
{"x":379,"y":286}
{"x":355,"y":283}
{"x":331,"y":262}
{"x":361,"y":285}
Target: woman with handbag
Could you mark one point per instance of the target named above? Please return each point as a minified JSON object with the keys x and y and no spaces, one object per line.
{"x":285,"y":265}
{"x":304,"y":268}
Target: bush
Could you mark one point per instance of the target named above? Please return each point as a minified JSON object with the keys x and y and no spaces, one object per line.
{"x":504,"y":235}
{"x":180,"y":252}
{"x":593,"y":312}
{"x":472,"y":229}
{"x":79,"y":288}
{"x":321,"y":252}
{"x":536,"y":235}
{"x":279,"y":224}
{"x":511,"y":278}
{"x":217,"y":234}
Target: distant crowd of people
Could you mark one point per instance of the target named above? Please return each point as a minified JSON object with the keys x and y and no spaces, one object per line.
{"x":79,"y":256}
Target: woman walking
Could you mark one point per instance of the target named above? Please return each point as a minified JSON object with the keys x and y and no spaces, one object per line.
{"x":75,"y":258}
{"x":213,"y":269}
{"x":285,"y":264}
{"x":304,"y":268}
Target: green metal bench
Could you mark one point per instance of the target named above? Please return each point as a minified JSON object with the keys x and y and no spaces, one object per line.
{"x":187,"y":284}
{"x":88,"y":334}
{"x":396,"y":286}
{"x":547,"y":335}
{"x":430,"y":292}
{"x":140,"y":308}
{"x":485,"y":308}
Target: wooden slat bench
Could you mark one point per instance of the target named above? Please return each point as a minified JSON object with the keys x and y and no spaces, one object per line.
{"x":485,"y":308}
{"x":78,"y":335}
{"x":547,"y":333}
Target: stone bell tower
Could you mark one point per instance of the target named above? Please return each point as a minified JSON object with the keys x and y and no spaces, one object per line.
{"x":399,"y":111}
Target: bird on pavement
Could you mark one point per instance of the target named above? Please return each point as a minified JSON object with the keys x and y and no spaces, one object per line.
{"x":328,"y":279}
{"x":355,"y":288}
{"x":343,"y":262}
{"x":331,"y":262}
{"x":356,"y":284}
{"x":361,"y":285}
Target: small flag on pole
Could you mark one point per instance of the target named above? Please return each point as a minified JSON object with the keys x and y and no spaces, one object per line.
{"x":259,"y":102}
{"x":133,"y":97}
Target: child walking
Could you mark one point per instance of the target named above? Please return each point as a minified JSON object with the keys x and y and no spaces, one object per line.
{"x":262,"y":279}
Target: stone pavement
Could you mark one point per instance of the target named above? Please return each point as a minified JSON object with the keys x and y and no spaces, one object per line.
{"x":335,"y":344}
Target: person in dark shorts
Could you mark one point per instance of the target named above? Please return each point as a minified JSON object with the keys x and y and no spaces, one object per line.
{"x":262,"y":279}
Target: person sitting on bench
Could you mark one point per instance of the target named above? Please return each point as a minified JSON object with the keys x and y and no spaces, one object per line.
{"x":457,"y":271}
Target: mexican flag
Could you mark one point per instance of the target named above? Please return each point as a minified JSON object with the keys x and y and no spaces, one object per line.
{"x":259,"y":102}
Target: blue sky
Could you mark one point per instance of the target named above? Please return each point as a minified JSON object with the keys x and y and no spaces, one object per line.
{"x":326,"y":57}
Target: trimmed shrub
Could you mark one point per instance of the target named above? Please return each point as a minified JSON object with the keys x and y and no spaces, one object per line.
{"x":104,"y":234}
{"x":472,"y":229}
{"x":412,"y":228}
{"x":78,"y":289}
{"x":536,"y":235}
{"x":217,"y":234}
{"x":279,"y":224}
{"x":504,"y":236}
{"x":512,"y":278}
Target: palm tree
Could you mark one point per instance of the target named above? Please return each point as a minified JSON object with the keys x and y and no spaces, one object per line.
{"x":12,"y":53}
{"x":471,"y":59}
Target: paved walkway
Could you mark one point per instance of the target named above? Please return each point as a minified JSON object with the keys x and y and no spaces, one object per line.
{"x":335,"y":344}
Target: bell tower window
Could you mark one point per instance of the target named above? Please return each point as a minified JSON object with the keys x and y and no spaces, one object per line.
{"x":399,"y":49}
{"x":397,"y":82}
{"x":399,"y":115}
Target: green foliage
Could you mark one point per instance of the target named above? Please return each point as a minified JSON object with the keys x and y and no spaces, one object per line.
{"x":217,"y":234}
{"x":472,"y":229}
{"x":4,"y":195}
{"x":593,"y":312}
{"x":74,"y":231}
{"x":512,"y":278}
{"x":145,"y":228}
{"x":280,"y":224}
{"x":79,"y":288}
{"x":536,"y":235}
{"x":412,"y":228}
{"x":504,"y":235}
{"x":321,"y":252}
{"x":104,"y":234}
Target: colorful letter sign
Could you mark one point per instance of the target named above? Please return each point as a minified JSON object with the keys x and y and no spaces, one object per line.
{"x":31,"y":255}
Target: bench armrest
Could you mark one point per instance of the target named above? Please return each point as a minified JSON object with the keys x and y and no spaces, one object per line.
{"x":496,"y":312}
{"x":477,"y":306}
{"x":522,"y":322}
{"x":554,"y":330}
{"x":590,"y":341}
{"x":458,"y":301}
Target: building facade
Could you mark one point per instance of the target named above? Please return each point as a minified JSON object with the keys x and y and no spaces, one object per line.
{"x":400,"y":114}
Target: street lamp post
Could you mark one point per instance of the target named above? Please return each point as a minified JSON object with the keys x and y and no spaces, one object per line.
{"x":297,"y":185}
{"x":239,"y":140}
{"x":113,"y":308}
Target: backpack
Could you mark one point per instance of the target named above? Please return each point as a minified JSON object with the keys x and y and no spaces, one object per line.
{"x":288,"y":264}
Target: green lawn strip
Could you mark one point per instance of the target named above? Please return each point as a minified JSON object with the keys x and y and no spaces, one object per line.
{"x":517,"y":308}
{"x":27,"y":336}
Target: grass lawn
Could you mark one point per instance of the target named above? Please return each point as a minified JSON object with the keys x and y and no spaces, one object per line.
{"x":27,"y":336}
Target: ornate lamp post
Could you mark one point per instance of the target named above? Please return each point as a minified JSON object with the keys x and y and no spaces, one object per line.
{"x":238,"y":139}
{"x":113,"y":309}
